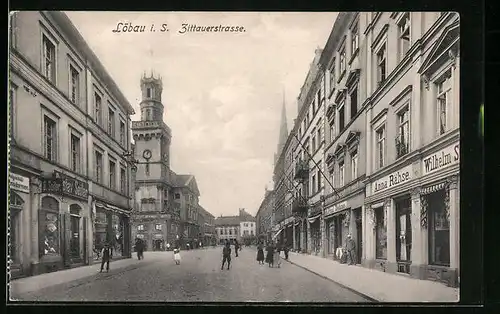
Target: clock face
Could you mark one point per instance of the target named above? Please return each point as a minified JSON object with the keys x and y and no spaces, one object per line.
{"x":146,"y":154}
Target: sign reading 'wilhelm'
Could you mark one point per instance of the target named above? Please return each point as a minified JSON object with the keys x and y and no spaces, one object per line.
{"x":441,"y":159}
{"x":396,"y":178}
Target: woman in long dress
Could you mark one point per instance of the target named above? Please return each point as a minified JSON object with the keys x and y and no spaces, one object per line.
{"x":277,"y":257}
{"x":260,"y":253}
{"x":269,"y":255}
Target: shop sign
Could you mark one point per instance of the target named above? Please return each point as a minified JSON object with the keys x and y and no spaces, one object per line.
{"x":394,"y":179}
{"x":441,"y":159}
{"x":336,"y":208}
{"x":65,"y":185}
{"x":19,"y":183}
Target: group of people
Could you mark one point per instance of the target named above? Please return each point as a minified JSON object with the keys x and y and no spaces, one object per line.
{"x":273,"y":251}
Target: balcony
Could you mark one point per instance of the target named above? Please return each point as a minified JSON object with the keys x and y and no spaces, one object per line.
{"x":301,"y":171}
{"x":299,"y":206}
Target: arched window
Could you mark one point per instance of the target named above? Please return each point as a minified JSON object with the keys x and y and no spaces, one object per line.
{"x":49,"y":235}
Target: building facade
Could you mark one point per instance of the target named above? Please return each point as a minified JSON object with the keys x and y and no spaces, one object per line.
{"x":264,"y":214}
{"x":227,"y":229}
{"x":386,"y":89}
{"x":247,"y":226}
{"x":69,"y":180}
{"x":207,"y":227}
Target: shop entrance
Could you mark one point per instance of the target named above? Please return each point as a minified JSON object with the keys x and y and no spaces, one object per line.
{"x":15,"y":206}
{"x":75,"y":231}
{"x":403,"y":234}
{"x":157,"y":245}
{"x":331,"y":237}
{"x":359,"y":234}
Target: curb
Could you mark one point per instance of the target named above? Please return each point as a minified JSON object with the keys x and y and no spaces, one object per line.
{"x":369,"y":298}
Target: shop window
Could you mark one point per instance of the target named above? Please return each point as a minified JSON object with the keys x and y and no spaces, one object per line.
{"x":403,"y":230}
{"x":380,"y":233}
{"x":439,"y":229}
{"x":74,"y":211}
{"x":101,"y":225}
{"x":49,"y":227}
{"x":117,"y":235}
{"x":15,"y":206}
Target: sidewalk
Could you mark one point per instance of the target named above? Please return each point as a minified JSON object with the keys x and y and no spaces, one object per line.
{"x":34,"y":283}
{"x":375,"y":284}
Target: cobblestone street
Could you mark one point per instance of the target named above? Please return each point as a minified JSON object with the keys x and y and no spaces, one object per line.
{"x":198,"y":278}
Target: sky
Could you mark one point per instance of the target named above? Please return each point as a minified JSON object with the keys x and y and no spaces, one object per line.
{"x":222,"y":92}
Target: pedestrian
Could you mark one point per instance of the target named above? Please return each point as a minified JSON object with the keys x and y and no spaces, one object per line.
{"x":277,"y":257}
{"x":140,"y":249}
{"x":177,"y":256}
{"x":286,"y":249}
{"x":350,"y":246}
{"x":107,"y":255}
{"x":168,"y":246}
{"x":226,"y":255}
{"x":260,"y":253}
{"x":269,"y":254}
{"x":236,"y":248}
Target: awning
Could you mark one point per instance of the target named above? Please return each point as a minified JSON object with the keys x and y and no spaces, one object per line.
{"x":277,"y":234}
{"x":313,"y":218}
{"x":112,"y":208}
{"x":433,"y":188}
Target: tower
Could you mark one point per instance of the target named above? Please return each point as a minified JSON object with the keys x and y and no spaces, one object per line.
{"x":153,"y":180}
{"x":283,"y":131}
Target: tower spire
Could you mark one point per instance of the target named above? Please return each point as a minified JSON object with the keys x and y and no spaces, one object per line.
{"x":283,"y":126}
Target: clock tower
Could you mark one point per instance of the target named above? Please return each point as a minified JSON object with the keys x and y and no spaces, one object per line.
{"x":154,"y":179}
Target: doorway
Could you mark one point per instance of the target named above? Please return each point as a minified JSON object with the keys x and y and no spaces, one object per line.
{"x":359,"y":234}
{"x":403,"y":234}
{"x":75,"y":231}
{"x":157,"y":245}
{"x":16,"y":204}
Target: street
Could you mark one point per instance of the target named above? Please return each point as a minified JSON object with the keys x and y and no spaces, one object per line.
{"x":198,"y":278}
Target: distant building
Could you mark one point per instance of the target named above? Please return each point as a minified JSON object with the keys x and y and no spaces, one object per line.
{"x":247,"y":224}
{"x":264,"y":215}
{"x":227,"y":228}
{"x":206,"y":221}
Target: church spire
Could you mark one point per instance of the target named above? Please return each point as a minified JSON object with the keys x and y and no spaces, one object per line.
{"x":283,"y":127}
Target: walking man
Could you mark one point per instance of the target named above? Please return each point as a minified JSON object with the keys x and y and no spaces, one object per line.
{"x":226,"y":255}
{"x":236,"y":248}
{"x":107,"y":255}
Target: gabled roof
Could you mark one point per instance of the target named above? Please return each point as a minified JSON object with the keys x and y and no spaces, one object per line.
{"x":186,"y":180}
{"x":448,"y":38}
{"x":227,"y":221}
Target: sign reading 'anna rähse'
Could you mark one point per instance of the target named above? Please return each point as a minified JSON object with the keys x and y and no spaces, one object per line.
{"x":394,"y":179}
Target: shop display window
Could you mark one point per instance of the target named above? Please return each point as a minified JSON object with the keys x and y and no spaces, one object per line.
{"x":439,"y":229}
{"x":49,"y":227}
{"x":380,"y":234}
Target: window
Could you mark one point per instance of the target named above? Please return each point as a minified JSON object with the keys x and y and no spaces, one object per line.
{"x":122,"y":133}
{"x":354,"y":39}
{"x":332,"y":76}
{"x":313,"y":184}
{"x":403,"y":137}
{"x":74,"y":84}
{"x":354,"y":165}
{"x":439,"y":229}
{"x":381,"y":64}
{"x":354,"y":102}
{"x":313,"y":142}
{"x":332,"y":131}
{"x":140,"y":227}
{"x":112,"y":174}
{"x":75,"y":153}
{"x":49,"y":232}
{"x":123,"y":180}
{"x":158,"y":227}
{"x":380,"y":233}
{"x":313,"y":107}
{"x":380,"y":147}
{"x":50,"y":138}
{"x":319,"y":98}
{"x":149,"y":92}
{"x":111,"y":122}
{"x":319,"y":136}
{"x":49,"y":59}
{"x":98,"y":109}
{"x":332,"y":178}
{"x":341,"y":173}
{"x":231,"y":231}
{"x":444,"y":101}
{"x":342,"y":61}
{"x":177,"y":196}
{"x":404,"y":34}
{"x":98,"y":166}
{"x":307,"y":120}
{"x":149,"y":114}
{"x":341,"y":116}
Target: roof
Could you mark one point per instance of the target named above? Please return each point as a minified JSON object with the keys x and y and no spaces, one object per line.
{"x":67,"y":26}
{"x":185,"y":180}
{"x":227,"y":221}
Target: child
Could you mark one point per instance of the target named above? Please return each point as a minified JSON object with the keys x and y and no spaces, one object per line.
{"x":177,"y":256}
{"x":226,"y":256}
{"x":107,"y":255}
